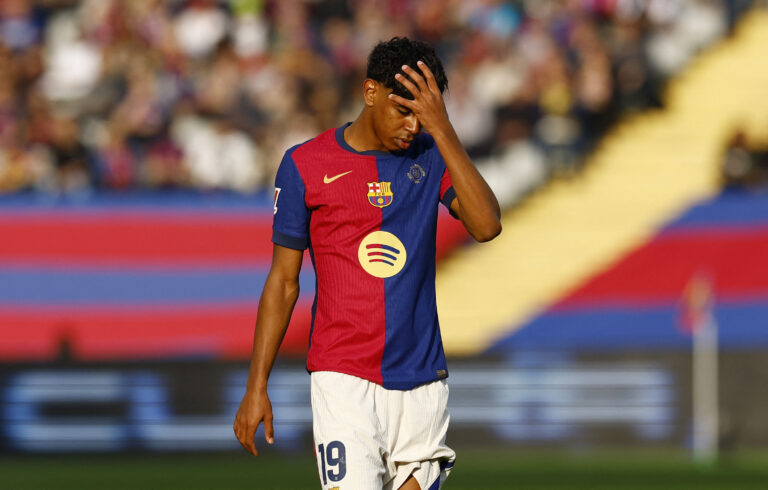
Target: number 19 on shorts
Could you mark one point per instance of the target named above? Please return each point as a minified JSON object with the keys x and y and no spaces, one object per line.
{"x":332,"y":461}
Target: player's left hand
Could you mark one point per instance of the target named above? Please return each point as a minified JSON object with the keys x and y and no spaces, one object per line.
{"x":427,"y":103}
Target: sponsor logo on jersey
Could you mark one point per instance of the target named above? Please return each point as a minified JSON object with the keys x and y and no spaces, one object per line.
{"x":380,"y":194}
{"x":381,"y":254}
{"x":416,"y":173}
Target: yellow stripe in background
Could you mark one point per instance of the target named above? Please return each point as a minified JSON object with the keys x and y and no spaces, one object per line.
{"x":648,"y":169}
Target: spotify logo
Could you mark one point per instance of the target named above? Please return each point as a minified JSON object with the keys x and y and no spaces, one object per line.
{"x":381,"y":254}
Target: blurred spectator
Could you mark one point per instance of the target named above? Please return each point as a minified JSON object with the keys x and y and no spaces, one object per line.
{"x":70,"y":156}
{"x":199,"y":27}
{"x":745,"y":165}
{"x":207,"y":94}
{"x":20,"y":27}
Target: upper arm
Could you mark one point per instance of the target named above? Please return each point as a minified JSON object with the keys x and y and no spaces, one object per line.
{"x":290,"y":228}
{"x":286,"y":264}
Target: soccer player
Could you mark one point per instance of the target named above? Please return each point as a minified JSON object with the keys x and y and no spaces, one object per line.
{"x":363,"y":198}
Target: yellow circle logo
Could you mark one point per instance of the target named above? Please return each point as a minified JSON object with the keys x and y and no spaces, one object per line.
{"x":381,"y":254}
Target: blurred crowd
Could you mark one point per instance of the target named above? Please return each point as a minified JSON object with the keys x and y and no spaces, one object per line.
{"x":207,"y":94}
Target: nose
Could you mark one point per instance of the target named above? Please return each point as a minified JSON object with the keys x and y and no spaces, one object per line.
{"x":412,"y":124}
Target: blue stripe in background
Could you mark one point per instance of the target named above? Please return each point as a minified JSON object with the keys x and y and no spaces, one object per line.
{"x":741,"y":326}
{"x":729,"y":209}
{"x":25,"y":287}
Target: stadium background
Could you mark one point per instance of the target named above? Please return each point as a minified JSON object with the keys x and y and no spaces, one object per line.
{"x":626,"y":140}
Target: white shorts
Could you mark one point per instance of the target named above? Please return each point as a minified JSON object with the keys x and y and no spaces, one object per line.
{"x":371,"y":438}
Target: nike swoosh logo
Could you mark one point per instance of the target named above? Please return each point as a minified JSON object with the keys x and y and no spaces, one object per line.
{"x":328,"y":181}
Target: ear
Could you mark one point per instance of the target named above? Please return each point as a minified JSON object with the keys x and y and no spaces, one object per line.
{"x":370,"y":87}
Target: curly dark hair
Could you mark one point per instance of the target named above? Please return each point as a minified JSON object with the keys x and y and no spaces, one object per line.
{"x":388,"y":57}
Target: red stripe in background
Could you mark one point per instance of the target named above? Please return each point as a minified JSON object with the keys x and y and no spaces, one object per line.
{"x":450,"y":234}
{"x":135,"y":238}
{"x":151,"y":239}
{"x":658,"y":271}
{"x":221,"y":332}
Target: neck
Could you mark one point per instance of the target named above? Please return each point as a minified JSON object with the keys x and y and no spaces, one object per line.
{"x":361,"y":136}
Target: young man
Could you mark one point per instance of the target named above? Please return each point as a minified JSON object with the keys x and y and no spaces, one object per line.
{"x":363,"y":198}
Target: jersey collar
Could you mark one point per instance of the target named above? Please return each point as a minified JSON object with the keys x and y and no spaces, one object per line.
{"x":377,"y":153}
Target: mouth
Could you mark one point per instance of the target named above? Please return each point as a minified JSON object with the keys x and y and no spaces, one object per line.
{"x":402,"y":143}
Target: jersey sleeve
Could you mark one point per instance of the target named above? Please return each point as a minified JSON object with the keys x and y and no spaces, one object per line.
{"x":290,"y":227}
{"x":447,"y":194}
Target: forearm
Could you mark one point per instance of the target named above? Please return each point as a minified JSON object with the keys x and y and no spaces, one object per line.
{"x":477,"y":205}
{"x":479,"y":209}
{"x":275,"y":307}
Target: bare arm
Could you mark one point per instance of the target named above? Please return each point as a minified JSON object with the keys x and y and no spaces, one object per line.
{"x":281,"y":290}
{"x":475,"y":202}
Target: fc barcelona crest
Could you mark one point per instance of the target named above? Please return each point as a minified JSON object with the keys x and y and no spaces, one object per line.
{"x":380,"y":194}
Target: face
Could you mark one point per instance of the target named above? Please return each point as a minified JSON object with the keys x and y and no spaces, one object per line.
{"x":395,"y":125}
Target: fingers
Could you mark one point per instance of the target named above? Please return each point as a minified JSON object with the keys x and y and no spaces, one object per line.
{"x":252,"y":412}
{"x":416,"y":77}
{"x":417,"y":84}
{"x":431,"y":82}
{"x":413,"y":89}
{"x":402,"y":101}
{"x":269,"y":431}
{"x":245,"y":435}
{"x":250,"y":443}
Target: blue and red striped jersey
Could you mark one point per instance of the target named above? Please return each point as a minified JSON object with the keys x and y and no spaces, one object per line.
{"x":369,"y":219}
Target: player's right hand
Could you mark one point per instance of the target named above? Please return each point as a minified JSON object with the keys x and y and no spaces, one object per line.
{"x":254,"y":408}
